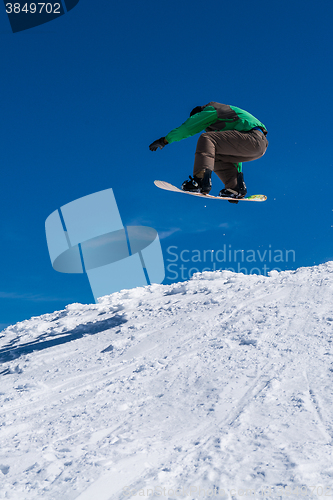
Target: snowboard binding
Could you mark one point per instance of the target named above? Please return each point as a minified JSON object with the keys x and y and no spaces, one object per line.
{"x":238,"y":192}
{"x":199,"y":185}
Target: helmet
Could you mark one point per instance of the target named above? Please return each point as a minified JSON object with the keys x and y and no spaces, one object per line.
{"x":196,"y":110}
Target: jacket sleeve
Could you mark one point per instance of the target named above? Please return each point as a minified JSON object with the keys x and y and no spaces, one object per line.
{"x":193,"y":125}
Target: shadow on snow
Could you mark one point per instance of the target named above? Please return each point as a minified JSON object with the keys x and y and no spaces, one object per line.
{"x":11,"y":352}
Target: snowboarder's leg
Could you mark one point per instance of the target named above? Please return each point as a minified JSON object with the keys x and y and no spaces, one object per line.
{"x":227,"y":172}
{"x":221,"y":152}
{"x":229,"y":146}
{"x":204,"y":154}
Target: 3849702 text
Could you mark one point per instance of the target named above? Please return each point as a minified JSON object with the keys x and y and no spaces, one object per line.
{"x":33,"y":8}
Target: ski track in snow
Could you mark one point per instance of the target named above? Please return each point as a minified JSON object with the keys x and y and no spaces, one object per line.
{"x":216,"y":385}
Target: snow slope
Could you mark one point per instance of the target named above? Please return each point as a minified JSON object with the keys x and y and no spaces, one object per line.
{"x":220,"y":387}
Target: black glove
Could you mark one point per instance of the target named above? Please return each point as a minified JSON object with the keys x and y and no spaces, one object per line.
{"x":157,"y":144}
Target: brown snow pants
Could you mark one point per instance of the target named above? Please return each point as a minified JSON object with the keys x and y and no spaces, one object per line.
{"x":219,"y":151}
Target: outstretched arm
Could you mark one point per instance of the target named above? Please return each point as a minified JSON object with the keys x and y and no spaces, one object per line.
{"x":191,"y":126}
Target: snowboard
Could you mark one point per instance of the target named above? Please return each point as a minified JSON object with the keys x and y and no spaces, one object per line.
{"x":169,"y":187}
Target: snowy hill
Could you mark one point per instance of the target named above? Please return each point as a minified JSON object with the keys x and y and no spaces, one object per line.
{"x":220,"y":387}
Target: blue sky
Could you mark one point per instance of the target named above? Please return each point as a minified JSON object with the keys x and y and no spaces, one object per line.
{"x":83,"y":96}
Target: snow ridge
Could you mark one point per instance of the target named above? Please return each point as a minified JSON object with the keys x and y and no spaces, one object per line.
{"x":217,"y":387}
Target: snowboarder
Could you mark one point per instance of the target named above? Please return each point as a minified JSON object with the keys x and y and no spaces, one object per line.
{"x":231,"y":136}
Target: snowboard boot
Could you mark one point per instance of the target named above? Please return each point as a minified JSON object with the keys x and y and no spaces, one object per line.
{"x":237,"y":192}
{"x":199,"y":185}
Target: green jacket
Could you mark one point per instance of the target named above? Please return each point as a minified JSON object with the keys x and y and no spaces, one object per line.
{"x":215,"y":116}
